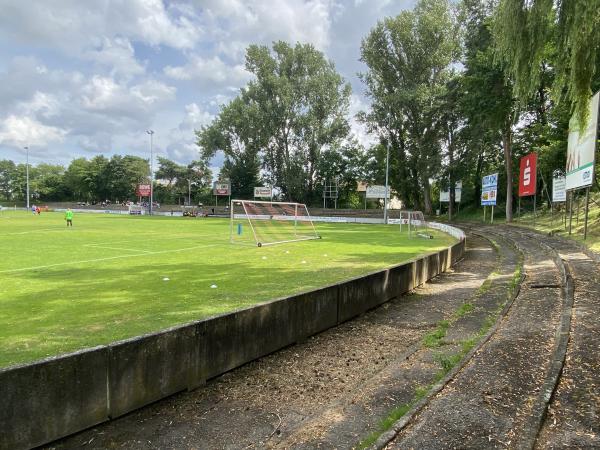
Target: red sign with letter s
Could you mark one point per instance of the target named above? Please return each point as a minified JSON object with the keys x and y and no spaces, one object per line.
{"x":528,"y":176}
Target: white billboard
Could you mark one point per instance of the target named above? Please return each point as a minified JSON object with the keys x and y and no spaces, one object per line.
{"x":559,"y":189}
{"x":221,"y":188}
{"x":445,"y":195}
{"x":581,"y":149}
{"x":263,"y":192}
{"x":377,"y":192}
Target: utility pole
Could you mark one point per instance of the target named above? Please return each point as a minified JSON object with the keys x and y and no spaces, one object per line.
{"x":151,"y":133}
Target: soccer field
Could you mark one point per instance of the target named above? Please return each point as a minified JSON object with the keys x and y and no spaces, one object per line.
{"x":113,"y":277}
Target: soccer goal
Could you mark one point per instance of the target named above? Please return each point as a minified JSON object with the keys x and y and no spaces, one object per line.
{"x":268,"y":223}
{"x":136,"y":210}
{"x":416,"y":223}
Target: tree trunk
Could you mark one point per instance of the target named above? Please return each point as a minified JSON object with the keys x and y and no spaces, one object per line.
{"x":507,"y":145}
{"x":427,"y":197}
{"x":478,"y":176}
{"x":451,"y":188}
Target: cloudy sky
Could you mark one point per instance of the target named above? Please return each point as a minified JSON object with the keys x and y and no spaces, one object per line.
{"x":80,"y":78}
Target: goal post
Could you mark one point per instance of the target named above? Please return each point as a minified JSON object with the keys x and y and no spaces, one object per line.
{"x":268,"y":223}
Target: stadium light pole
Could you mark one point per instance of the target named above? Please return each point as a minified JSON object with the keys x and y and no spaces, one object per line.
{"x":151,"y":133}
{"x":387,"y":170}
{"x":27,"y":172}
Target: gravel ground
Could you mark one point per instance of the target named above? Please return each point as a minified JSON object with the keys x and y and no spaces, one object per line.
{"x":573,"y":419}
{"x":489,"y":403}
{"x":307,"y":394}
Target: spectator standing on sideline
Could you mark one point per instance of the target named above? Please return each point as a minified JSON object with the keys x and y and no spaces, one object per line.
{"x":69,"y":217}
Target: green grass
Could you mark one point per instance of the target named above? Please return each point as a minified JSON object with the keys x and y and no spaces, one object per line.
{"x":104,"y":279}
{"x":547,"y":221}
{"x":434,"y":338}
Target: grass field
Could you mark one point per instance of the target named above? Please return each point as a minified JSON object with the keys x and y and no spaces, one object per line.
{"x":112,"y":277}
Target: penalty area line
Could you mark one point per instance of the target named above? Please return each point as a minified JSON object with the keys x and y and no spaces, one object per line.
{"x":109,"y":258}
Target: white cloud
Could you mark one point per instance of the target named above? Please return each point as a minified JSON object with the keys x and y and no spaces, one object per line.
{"x":182,"y":139}
{"x":117,"y":55}
{"x":106,"y":95}
{"x":211,"y":71}
{"x":74,"y":25}
{"x":92,"y":76}
{"x":20,"y":131}
{"x":254,"y":21}
{"x":358,"y":129}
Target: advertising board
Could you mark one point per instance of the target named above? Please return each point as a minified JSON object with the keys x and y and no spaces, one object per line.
{"x":221,"y":188}
{"x":263,"y":192}
{"x":445,"y":195}
{"x":559,"y":188}
{"x":528,"y":175}
{"x":143,"y":190}
{"x":489,"y":190}
{"x":581,"y":148}
{"x":376,"y":191}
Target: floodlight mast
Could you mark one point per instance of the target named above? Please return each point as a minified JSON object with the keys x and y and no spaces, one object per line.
{"x":27,"y":172}
{"x":387,"y":170}
{"x":151,"y":133}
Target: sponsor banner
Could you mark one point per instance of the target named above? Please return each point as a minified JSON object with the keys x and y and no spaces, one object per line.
{"x":143,"y":190}
{"x":263,"y":192}
{"x":221,"y":188}
{"x":415,"y":222}
{"x":559,"y":189}
{"x":489,"y":190}
{"x":376,"y":191}
{"x":528,"y":175}
{"x":581,"y":148}
{"x":445,"y":195}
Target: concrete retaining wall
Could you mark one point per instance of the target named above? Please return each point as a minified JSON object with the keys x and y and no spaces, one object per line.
{"x":52,"y":398}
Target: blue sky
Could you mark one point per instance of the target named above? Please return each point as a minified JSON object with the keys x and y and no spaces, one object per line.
{"x":81,"y":78}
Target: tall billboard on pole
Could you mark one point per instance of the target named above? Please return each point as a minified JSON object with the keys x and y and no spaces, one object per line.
{"x":221,"y":188}
{"x":528,"y":175}
{"x":489,"y":190}
{"x":581,"y":148}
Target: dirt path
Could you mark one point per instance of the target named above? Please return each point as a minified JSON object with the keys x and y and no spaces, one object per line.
{"x":312,"y":386}
{"x":499,"y":399}
{"x":573,"y":419}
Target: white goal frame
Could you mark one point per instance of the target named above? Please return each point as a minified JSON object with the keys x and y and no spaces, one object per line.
{"x":135,"y":210}
{"x":298,"y":207}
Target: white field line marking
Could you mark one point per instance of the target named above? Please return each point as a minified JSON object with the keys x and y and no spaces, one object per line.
{"x":24,"y":269}
{"x":121,"y":249}
{"x":47,"y":230}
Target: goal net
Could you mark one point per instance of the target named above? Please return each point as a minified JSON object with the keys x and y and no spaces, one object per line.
{"x":267,"y":223}
{"x":414,"y":222}
{"x":136,"y":210}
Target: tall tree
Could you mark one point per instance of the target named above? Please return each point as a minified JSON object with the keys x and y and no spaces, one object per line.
{"x":238,"y":132}
{"x":8,"y":171}
{"x":523,"y":29}
{"x":409,"y":59}
{"x":294,"y":109}
{"x":488,"y":103}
